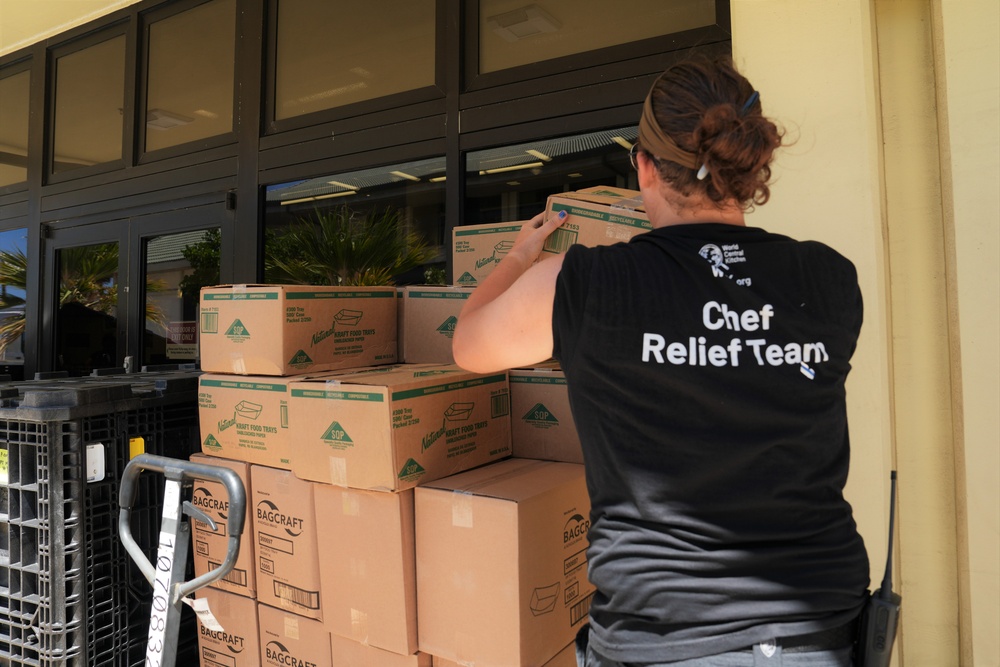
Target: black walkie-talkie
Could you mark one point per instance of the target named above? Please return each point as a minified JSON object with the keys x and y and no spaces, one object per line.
{"x":880,"y":616}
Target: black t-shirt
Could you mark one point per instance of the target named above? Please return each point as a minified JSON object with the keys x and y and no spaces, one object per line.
{"x":706,"y":367}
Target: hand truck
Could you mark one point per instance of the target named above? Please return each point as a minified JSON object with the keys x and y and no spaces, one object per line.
{"x":167,"y":576}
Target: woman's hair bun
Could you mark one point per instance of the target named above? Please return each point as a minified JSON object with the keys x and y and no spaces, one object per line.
{"x":710,"y":109}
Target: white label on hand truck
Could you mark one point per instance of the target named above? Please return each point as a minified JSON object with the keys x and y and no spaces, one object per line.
{"x":161,"y":583}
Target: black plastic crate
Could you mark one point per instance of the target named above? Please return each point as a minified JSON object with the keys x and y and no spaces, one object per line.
{"x":69,"y":594}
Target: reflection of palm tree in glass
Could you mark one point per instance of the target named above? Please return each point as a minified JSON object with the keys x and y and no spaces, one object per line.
{"x":88,"y":277}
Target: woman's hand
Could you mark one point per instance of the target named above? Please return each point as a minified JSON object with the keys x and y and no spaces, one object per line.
{"x":507,"y":320}
{"x":531,"y":239}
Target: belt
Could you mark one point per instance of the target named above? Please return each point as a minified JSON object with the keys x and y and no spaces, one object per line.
{"x":841,"y":636}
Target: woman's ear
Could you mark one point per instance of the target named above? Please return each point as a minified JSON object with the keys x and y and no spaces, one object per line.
{"x":649,"y":177}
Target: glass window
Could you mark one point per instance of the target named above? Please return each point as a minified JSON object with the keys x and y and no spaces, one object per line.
{"x":90,"y":93}
{"x":191,"y":61}
{"x":177,"y":267}
{"x":375,"y":226}
{"x":87,"y":321}
{"x":330,"y":54}
{"x":14,"y":128}
{"x":513,"y":32}
{"x":13,"y":283}
{"x":512,"y":183}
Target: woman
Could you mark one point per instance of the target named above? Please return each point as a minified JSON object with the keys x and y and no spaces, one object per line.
{"x":706,"y":363}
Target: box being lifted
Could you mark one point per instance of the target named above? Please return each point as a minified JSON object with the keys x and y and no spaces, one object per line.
{"x":290,"y":329}
{"x":477,"y":249}
{"x":596,"y":216}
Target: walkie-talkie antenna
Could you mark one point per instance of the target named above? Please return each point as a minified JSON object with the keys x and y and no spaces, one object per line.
{"x":886,"y":591}
{"x":880,"y":616}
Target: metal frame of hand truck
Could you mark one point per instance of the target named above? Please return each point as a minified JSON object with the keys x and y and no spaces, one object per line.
{"x":167,"y":575}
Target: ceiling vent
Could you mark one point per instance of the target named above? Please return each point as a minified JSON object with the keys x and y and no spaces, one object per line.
{"x":524,"y":22}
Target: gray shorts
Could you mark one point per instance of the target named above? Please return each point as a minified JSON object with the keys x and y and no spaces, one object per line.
{"x":765,"y":654}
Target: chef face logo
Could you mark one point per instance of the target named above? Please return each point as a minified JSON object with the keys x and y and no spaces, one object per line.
{"x":715,"y":257}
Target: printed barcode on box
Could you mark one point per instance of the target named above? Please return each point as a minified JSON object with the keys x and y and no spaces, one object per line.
{"x":579,"y":611}
{"x":236,"y":577}
{"x":303,"y":598}
{"x":212,"y":658}
{"x":210,"y":323}
{"x":500,"y":405}
{"x":560,"y":240}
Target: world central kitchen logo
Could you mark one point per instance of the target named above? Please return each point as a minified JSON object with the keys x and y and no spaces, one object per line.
{"x":277,"y":654}
{"x":456,"y":412}
{"x":269,"y":512}
{"x":203,"y":498}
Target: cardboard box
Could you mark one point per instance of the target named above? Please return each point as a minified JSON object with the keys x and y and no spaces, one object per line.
{"x":238,"y":644}
{"x":245,"y":418}
{"x":597,"y":216}
{"x":285,"y":542}
{"x":288,"y":640}
{"x":350,"y":653}
{"x":541,"y":425}
{"x":501,"y":563}
{"x":477,"y":249}
{"x":368,"y":566}
{"x":210,"y":546}
{"x":292,"y":329}
{"x":390,"y":431}
{"x":427,"y":318}
{"x":565,"y":658}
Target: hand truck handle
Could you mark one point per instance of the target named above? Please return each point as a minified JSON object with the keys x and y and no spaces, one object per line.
{"x":179,"y":470}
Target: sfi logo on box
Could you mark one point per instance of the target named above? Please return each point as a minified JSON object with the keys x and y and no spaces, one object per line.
{"x":277,"y":654}
{"x":269,"y":512}
{"x":203,"y":498}
{"x":233,"y":642}
{"x":575,"y":529}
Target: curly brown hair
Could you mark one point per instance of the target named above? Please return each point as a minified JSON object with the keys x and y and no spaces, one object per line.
{"x":702,"y":105}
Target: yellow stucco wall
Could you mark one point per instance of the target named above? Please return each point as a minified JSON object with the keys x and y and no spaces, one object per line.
{"x":967,"y":75}
{"x":893,"y":109}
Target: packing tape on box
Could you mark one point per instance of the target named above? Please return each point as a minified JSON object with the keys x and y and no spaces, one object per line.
{"x":291,"y":626}
{"x":351,"y":505}
{"x":241,"y":289}
{"x":338,"y":471}
{"x":359,"y":626}
{"x":238,"y":363}
{"x":465,"y":649}
{"x":630,"y":204}
{"x":461,"y":509}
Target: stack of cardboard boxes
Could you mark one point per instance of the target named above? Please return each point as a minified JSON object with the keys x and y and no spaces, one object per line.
{"x":388,"y":523}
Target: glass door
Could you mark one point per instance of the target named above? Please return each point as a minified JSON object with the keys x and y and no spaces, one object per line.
{"x":126,"y":292}
{"x":83,"y":328}
{"x":175,"y":253}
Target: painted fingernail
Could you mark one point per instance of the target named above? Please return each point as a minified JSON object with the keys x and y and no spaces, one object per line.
{"x":562,"y":214}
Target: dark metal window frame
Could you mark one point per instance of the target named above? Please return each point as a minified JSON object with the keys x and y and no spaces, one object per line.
{"x":146,"y":19}
{"x":117,"y":28}
{"x":13,"y":68}
{"x":396,"y":105}
{"x":686,"y":39}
